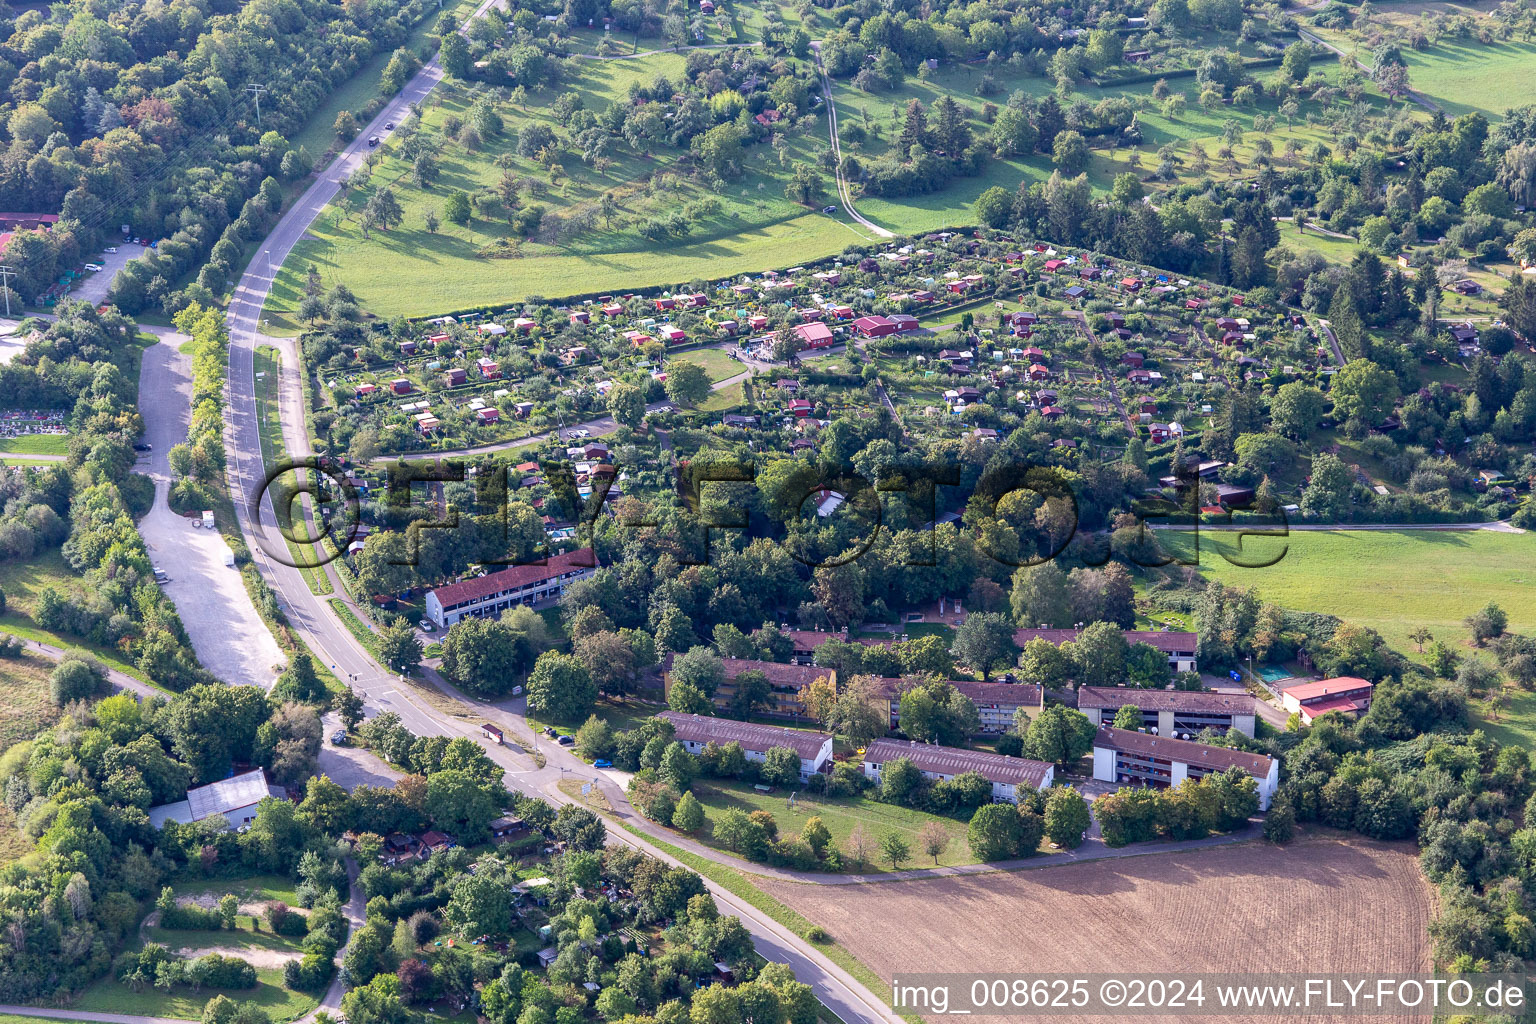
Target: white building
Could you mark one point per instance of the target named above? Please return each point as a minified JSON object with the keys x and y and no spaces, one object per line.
{"x":1132,"y":758}
{"x":495,"y":592}
{"x":1005,"y":773}
{"x":695,"y":731}
{"x":235,"y":798}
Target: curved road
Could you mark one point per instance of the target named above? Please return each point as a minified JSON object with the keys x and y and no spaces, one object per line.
{"x":329,"y":640}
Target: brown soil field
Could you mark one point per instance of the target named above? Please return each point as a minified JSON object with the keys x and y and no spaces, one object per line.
{"x":1324,"y":903}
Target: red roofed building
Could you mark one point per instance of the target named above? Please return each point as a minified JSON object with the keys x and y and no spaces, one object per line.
{"x":1054,"y":265}
{"x":1349,"y":694}
{"x":874,"y":326}
{"x":666,"y":304}
{"x":814,"y":335}
{"x":495,"y":592}
{"x":801,"y":407}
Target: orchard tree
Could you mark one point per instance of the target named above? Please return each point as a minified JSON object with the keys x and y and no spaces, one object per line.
{"x":687,"y":383}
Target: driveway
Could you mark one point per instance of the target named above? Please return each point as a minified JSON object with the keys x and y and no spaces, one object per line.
{"x":93,"y":288}
{"x":230,"y":639}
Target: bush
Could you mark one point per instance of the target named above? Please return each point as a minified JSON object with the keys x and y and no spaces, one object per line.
{"x":190,"y":917}
{"x":817,"y":934}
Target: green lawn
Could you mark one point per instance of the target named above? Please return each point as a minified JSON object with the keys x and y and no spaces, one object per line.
{"x":715,"y":362}
{"x":839,"y":814}
{"x":251,"y":889}
{"x":111,"y":996}
{"x":21,"y":582}
{"x":1392,"y":582}
{"x":1463,"y":76}
{"x":36,"y":444}
{"x":267,"y":367}
{"x":281,"y":1003}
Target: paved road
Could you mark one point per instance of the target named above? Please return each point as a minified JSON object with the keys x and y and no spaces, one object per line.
{"x":94,"y":288}
{"x":229,"y":636}
{"x":330,"y":641}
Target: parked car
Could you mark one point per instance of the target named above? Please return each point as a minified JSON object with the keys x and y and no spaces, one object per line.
{"x":389,"y":126}
{"x":339,"y":737}
{"x":427,"y":625}
{"x":373,"y":140}
{"x":582,"y":432}
{"x":548,"y":731}
{"x":829,"y":209}
{"x":143,"y":446}
{"x":566,"y":741}
{"x":602,"y":763}
{"x":111,"y":248}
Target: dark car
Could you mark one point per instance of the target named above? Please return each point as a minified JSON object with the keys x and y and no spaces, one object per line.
{"x":829,"y":209}
{"x":373,"y":140}
{"x":339,"y":737}
{"x":566,"y":741}
{"x":549,"y":732}
{"x":143,"y":446}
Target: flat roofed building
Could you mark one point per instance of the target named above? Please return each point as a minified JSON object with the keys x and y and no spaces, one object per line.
{"x":235,"y":798}
{"x":1139,"y":758}
{"x":695,"y":731}
{"x":1007,"y":774}
{"x":1181,"y":648}
{"x":495,"y":592}
{"x":1349,"y":694}
{"x":1171,"y":712}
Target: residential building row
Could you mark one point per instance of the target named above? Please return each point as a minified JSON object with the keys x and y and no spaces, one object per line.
{"x":1008,"y":775}
{"x":495,"y":592}
{"x":1129,"y":758}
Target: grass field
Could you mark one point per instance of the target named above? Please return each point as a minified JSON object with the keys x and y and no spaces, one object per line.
{"x":840,"y":815}
{"x":754,"y":227}
{"x":262,"y":949}
{"x":268,"y":369}
{"x":1389,"y":581}
{"x":715,"y":362}
{"x":25,"y":708}
{"x":36,"y":444}
{"x":1247,"y":907}
{"x":21,"y":582}
{"x":1464,"y":75}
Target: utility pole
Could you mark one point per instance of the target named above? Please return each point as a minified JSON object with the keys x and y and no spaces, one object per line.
{"x":256,"y":91}
{"x":6,"y":273}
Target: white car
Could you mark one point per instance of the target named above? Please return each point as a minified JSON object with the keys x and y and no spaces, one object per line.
{"x":111,"y":248}
{"x":581,"y":433}
{"x":93,"y":267}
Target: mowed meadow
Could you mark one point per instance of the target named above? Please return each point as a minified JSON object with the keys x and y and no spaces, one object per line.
{"x":1390,"y":580}
{"x":749,"y":227}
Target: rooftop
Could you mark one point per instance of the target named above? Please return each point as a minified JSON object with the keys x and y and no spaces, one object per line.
{"x":514,"y":578}
{"x":1186,"y":751}
{"x":700,"y":729}
{"x":1326,"y":687}
{"x":1166,"y":642}
{"x":1204,"y":701}
{"x":216,"y":798}
{"x":954,"y":761}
